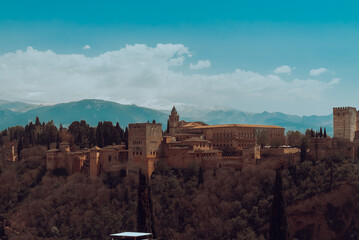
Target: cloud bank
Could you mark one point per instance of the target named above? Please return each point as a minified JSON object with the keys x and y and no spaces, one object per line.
{"x":147,"y":76}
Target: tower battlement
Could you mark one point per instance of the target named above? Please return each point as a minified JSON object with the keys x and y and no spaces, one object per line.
{"x":343,"y":109}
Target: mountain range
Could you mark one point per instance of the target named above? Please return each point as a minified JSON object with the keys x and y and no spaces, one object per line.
{"x":93,"y":111}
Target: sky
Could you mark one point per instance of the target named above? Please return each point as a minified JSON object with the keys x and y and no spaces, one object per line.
{"x":297,"y":57}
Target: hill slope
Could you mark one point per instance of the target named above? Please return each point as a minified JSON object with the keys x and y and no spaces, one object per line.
{"x":92,"y":111}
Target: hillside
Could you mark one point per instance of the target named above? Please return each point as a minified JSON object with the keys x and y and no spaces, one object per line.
{"x":227,"y":204}
{"x":90,"y":110}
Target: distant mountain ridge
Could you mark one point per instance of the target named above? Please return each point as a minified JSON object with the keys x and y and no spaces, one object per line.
{"x":90,"y":110}
{"x":290,"y":122}
{"x":93,"y":111}
{"x":17,"y":106}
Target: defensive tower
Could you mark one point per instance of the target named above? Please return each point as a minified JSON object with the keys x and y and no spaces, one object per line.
{"x":345,"y":122}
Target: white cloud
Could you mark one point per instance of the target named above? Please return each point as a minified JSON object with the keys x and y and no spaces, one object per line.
{"x":334,"y":81}
{"x":318,"y":71}
{"x":86,"y":47}
{"x":144,"y":75}
{"x":283,"y":69}
{"x":200,"y":65}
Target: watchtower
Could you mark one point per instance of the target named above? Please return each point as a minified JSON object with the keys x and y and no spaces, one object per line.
{"x":144,"y":141}
{"x":344,"y":122}
{"x":173,"y":121}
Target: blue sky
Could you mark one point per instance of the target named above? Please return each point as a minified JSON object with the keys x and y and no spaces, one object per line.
{"x":239,"y":45}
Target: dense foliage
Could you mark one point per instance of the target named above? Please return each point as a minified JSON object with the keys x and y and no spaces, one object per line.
{"x":79,"y":134}
{"x":187,"y":203}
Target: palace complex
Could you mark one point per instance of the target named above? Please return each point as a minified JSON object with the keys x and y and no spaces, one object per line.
{"x":208,"y":146}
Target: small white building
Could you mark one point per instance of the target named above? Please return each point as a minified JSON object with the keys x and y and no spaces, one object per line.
{"x":131,"y":236}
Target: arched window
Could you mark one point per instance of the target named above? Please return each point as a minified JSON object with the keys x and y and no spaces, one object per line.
{"x":109,"y":158}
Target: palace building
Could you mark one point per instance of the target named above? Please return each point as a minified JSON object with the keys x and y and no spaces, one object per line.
{"x":184,"y":143}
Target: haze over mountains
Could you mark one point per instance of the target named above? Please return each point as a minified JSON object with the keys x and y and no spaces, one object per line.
{"x":93,"y":111}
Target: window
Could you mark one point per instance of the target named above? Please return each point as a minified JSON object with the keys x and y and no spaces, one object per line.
{"x":109,"y":158}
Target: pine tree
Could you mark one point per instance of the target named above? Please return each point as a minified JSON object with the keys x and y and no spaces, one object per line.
{"x":145,"y":216}
{"x":278,"y":228}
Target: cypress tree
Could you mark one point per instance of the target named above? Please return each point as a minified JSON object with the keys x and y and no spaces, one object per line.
{"x":20,"y":146}
{"x":145,"y":216}
{"x":303,"y":151}
{"x":325,"y":133}
{"x":321,"y":132}
{"x":37,"y":121}
{"x":200,"y":176}
{"x":99,"y":135}
{"x":57,"y":141}
{"x":126,"y":137}
{"x":2,"y":228}
{"x":278,"y":228}
{"x":168,"y":126}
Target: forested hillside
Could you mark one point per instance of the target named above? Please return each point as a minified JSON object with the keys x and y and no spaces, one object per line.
{"x":187,"y":203}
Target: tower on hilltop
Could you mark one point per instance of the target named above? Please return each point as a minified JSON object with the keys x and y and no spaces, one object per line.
{"x":345,"y":122}
{"x":173,"y":121}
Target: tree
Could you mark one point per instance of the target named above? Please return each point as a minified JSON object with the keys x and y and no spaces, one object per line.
{"x":2,"y":228}
{"x":126,"y":137}
{"x":294,"y":138}
{"x":321,"y":132}
{"x":99,"y":135}
{"x":168,"y":127}
{"x":57,"y":141}
{"x":262,"y":138}
{"x":325,"y":133}
{"x":303,"y":151}
{"x":312,"y":134}
{"x":278,"y":228}
{"x":20,"y":146}
{"x":145,"y":216}
{"x":37,"y":121}
{"x":200,"y":176}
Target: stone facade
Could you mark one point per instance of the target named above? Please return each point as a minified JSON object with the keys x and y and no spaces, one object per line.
{"x":144,"y":146}
{"x":345,"y":122}
{"x":107,"y":159}
{"x":65,"y":159}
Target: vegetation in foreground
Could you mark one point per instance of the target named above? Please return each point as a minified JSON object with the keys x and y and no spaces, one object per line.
{"x":187,"y":203}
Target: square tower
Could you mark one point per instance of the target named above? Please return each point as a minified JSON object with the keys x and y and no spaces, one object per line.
{"x":144,"y":141}
{"x":344,"y":122}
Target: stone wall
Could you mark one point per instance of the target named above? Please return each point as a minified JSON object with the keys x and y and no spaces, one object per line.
{"x":345,"y":122}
